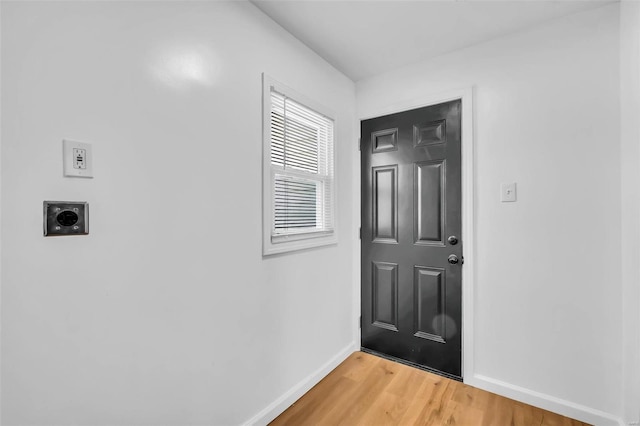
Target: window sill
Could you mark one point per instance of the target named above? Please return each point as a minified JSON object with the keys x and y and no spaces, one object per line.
{"x":288,"y":243}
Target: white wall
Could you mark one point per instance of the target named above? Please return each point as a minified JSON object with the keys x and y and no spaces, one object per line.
{"x":630,"y":192}
{"x":166,"y":313}
{"x":548,"y":286}
{"x":150,"y":321}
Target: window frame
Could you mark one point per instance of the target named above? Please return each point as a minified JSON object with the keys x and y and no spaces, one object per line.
{"x":281,"y":243}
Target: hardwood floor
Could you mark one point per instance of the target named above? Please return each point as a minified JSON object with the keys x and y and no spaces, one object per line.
{"x":368,"y":390}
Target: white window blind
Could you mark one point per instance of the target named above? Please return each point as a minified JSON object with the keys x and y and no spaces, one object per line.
{"x":302,"y":168}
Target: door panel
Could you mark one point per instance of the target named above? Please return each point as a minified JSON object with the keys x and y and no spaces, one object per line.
{"x":385,"y":204}
{"x":429,"y":300}
{"x":385,"y":295}
{"x":428,"y":202}
{"x":411,"y":204}
{"x":385,"y":140}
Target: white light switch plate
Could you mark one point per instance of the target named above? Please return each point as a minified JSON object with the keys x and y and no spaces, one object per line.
{"x":508,"y":192}
{"x":77,"y":159}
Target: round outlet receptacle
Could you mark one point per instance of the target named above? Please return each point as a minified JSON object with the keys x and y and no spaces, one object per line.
{"x":67,"y":218}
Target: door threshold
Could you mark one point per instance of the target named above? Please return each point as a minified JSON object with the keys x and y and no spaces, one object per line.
{"x":412,"y":364}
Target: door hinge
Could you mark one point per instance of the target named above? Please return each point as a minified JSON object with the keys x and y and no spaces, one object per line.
{"x":360,"y":233}
{"x":360,"y":321}
{"x":359,"y":144}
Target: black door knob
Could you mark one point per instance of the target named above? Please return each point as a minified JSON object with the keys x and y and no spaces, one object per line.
{"x":453,"y":259}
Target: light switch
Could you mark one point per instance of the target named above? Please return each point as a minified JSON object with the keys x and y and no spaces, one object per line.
{"x":508,"y":192}
{"x":76,"y":159}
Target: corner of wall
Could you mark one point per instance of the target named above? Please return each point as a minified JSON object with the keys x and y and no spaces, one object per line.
{"x":630,"y":198}
{"x":277,"y":407}
{"x":0,"y":223}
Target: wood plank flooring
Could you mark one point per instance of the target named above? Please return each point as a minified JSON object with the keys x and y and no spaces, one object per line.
{"x":368,"y":390}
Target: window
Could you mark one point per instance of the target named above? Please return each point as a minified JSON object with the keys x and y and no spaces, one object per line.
{"x":298,"y":179}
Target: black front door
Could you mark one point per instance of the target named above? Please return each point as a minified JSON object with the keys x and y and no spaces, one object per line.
{"x":411,"y":236}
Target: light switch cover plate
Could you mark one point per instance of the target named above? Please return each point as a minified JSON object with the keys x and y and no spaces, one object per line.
{"x":77,"y":159}
{"x":508,"y":192}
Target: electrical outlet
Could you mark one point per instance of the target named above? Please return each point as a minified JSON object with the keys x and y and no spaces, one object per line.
{"x":77,"y":159}
{"x":66,"y":218}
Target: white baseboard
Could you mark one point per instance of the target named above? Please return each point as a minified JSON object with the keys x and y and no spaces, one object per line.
{"x":547,"y":402}
{"x":278,"y":406}
{"x":508,"y":390}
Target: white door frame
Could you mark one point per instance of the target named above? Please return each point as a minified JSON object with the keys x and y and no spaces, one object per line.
{"x":468,"y":214}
